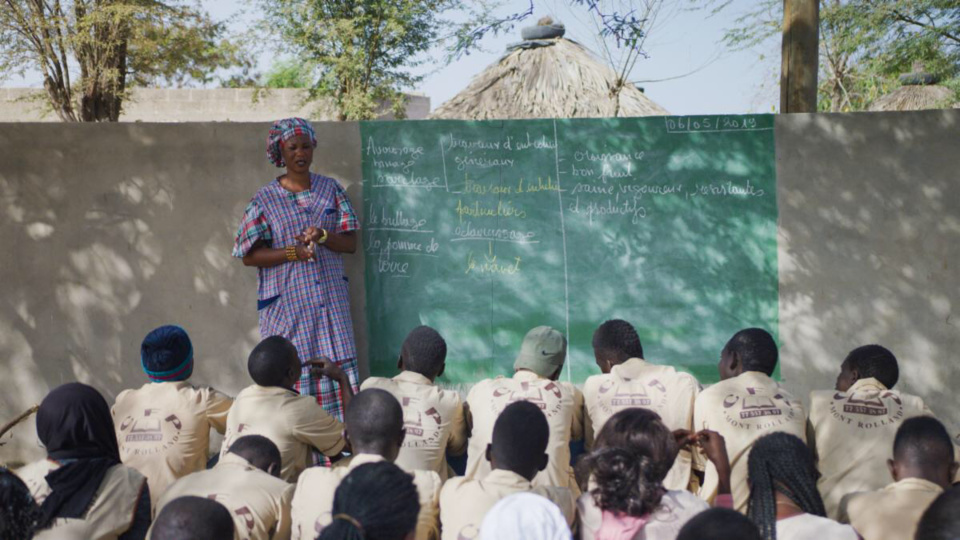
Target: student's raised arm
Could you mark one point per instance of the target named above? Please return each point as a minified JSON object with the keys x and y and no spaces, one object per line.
{"x":459,"y":430}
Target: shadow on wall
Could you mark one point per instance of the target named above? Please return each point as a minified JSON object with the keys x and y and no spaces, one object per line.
{"x":112,"y":230}
{"x":869,"y":245}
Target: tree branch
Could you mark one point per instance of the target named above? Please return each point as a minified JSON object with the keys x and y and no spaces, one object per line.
{"x":897,"y":15}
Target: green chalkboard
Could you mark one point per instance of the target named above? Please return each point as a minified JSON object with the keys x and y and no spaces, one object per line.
{"x":484,"y":230}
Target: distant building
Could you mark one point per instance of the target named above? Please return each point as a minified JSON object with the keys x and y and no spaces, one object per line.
{"x":918,"y":91}
{"x":196,"y":105}
{"x":547,"y":76}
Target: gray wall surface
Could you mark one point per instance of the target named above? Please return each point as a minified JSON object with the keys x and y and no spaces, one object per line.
{"x":110,"y":230}
{"x":197,"y":105}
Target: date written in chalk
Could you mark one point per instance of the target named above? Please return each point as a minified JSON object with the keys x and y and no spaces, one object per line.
{"x":706,"y":124}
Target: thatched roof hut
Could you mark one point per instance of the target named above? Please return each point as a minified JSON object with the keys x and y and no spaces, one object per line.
{"x":547,"y":77}
{"x":918,"y":91}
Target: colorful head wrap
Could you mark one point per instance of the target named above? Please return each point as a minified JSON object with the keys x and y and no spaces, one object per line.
{"x":284,"y":130}
{"x":167,"y":354}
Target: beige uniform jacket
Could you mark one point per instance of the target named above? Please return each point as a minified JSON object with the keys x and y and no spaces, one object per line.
{"x":112,"y":511}
{"x":433,"y":418}
{"x":163,"y":430}
{"x":852,"y":435}
{"x":743,"y":409}
{"x":562,"y":404}
{"x":258,"y":502}
{"x":464,"y":502}
{"x":313,"y":499}
{"x":293,"y":422}
{"x":638,"y":383}
{"x":891,"y":513}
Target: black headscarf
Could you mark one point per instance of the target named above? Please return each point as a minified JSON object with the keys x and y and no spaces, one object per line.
{"x":74,"y":423}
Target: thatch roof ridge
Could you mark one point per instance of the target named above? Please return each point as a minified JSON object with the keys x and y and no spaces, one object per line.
{"x":559,"y":80}
{"x":916,"y":98}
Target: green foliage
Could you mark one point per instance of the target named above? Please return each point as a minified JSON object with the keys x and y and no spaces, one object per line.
{"x":864,"y":44}
{"x":90,"y":52}
{"x":362,"y":50}
{"x":290,"y":73}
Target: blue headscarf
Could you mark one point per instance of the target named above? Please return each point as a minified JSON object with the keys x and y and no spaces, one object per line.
{"x":167,"y":354}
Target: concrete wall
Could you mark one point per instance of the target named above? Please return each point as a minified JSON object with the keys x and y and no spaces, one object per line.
{"x":197,"y":105}
{"x":112,"y":230}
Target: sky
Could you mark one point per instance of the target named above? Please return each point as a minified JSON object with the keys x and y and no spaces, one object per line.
{"x":686,"y":70}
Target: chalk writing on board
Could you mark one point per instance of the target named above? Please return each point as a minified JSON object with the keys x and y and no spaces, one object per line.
{"x":712,"y":124}
{"x":489,"y":264}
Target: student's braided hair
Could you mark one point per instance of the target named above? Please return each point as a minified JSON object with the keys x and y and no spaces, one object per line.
{"x":780,"y":462}
{"x":18,"y":511}
{"x":634,"y":451}
{"x":376,"y":501}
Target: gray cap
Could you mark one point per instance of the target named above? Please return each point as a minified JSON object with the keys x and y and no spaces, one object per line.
{"x":543,"y":351}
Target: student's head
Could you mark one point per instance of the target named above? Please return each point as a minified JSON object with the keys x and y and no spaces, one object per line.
{"x":631,"y":457}
{"x":719,"y":524}
{"x":374,"y":423}
{"x":166,"y":354}
{"x":866,"y":362}
{"x":193,"y":518}
{"x":781,"y":463}
{"x":543,"y":352}
{"x":274,"y":362}
{"x":260,"y":451}
{"x":376,"y":501}
{"x":18,"y":511}
{"x":752,"y":349}
{"x":424,"y":352}
{"x":941,"y":520}
{"x":923,"y":449}
{"x":615,"y":342}
{"x":520,"y":437}
{"x":74,"y":420}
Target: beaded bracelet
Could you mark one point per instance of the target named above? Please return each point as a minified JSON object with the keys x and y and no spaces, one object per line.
{"x":292,"y":253}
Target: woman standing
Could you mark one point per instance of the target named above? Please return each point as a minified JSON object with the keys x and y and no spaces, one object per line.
{"x":294,"y":231}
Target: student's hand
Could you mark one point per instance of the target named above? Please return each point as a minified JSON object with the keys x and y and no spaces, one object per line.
{"x":715,"y":448}
{"x":327,"y":368}
{"x":684,"y":438}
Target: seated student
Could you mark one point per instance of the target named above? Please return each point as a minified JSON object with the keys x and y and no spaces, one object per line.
{"x":719,"y":524}
{"x":374,"y":426}
{"x":193,"y":518}
{"x":630,"y":381}
{"x":625,"y":496}
{"x":376,"y":501}
{"x":246,"y":482}
{"x":516,"y":455}
{"x":537,"y":369}
{"x":941,"y":521}
{"x":852,"y":429}
{"x":18,"y":511}
{"x":163,"y":427}
{"x":784,"y":501}
{"x":525,"y":515}
{"x":922,"y":467}
{"x":82,"y":479}
{"x":434,"y":417}
{"x":745,"y":405}
{"x":295,"y":423}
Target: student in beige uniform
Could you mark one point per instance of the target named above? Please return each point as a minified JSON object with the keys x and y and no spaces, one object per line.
{"x":852,"y":429}
{"x":376,"y":501}
{"x":630,"y":381}
{"x":295,"y":423}
{"x":245,"y":481}
{"x":163,"y":427}
{"x":374,"y":425}
{"x":745,"y":405}
{"x":193,"y":518}
{"x":516,"y":454}
{"x":537,"y":369}
{"x":434,"y":418}
{"x":922,"y":467}
{"x":82,"y":480}
{"x":784,"y":501}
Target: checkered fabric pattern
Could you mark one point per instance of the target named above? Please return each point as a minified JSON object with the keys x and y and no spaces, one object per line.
{"x":284,"y":130}
{"x":313,"y":308}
